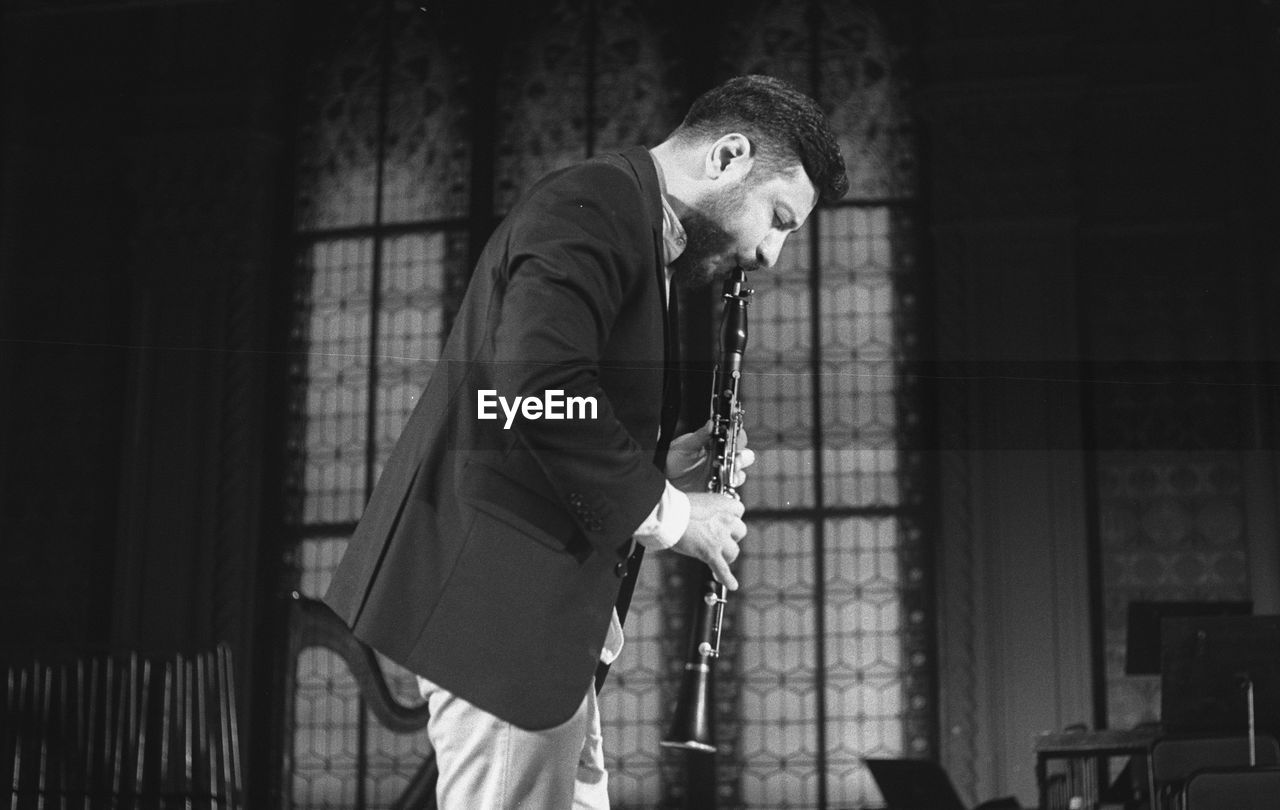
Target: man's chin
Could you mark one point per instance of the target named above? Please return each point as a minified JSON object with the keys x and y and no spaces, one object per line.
{"x":693,"y":276}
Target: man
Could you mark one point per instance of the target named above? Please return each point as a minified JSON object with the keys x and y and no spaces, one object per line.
{"x":491,"y":554}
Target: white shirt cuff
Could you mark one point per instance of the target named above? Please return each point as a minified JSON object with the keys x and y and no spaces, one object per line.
{"x":612,"y":640}
{"x":666,"y":524}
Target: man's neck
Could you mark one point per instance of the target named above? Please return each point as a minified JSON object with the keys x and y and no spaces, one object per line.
{"x":673,"y":164}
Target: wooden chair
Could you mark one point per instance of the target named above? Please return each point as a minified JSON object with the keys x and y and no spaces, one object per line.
{"x":1175,"y":759}
{"x":1255,"y":788}
{"x":314,"y":624}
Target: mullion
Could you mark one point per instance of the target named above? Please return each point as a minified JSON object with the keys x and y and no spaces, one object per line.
{"x":371,"y":394}
{"x":819,"y":497}
{"x":381,"y":229}
{"x":819,"y":513}
{"x":816,"y":513}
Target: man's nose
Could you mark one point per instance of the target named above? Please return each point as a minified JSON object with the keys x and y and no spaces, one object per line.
{"x":769,"y":250}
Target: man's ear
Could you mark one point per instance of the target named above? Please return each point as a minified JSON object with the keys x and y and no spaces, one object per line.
{"x":730,"y":157}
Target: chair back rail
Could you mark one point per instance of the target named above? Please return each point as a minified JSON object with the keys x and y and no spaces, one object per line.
{"x":316,"y":625}
{"x":1175,"y":759}
{"x":1256,"y":788}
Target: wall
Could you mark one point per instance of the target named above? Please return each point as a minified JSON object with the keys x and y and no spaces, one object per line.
{"x":1108,"y":426}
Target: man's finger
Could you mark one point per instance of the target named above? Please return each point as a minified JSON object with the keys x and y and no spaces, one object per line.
{"x":724,"y":575}
{"x":731,"y":552}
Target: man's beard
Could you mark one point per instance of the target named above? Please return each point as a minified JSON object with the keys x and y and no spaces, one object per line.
{"x":706,"y":257}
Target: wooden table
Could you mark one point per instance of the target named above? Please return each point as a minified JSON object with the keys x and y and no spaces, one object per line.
{"x":1083,"y":750}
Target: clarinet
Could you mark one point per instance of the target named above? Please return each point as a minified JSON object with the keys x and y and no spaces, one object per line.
{"x":691,"y":728}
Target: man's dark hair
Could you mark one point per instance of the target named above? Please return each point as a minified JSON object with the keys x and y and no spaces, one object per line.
{"x":785,"y":128}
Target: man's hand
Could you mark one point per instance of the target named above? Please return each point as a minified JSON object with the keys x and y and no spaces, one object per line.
{"x":689,"y":462}
{"x":715,"y":529}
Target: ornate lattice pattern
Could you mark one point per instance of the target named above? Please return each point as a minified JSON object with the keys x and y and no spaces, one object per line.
{"x":860,"y":81}
{"x":411,"y":324}
{"x":874,"y":644}
{"x":773,"y":39}
{"x":427,"y":152}
{"x":325,"y":731}
{"x":327,"y":746}
{"x":837,"y":475}
{"x":634,"y":701}
{"x":775,"y":631}
{"x":778,"y":390}
{"x":1171,"y":496}
{"x":542,"y":97}
{"x":860,"y":358}
{"x":338,"y":135}
{"x":1172,"y":529}
{"x":861,"y":66}
{"x":333,"y":368}
{"x":634,"y":77}
{"x":331,"y":380}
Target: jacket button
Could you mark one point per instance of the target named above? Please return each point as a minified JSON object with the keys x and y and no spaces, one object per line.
{"x":620,"y":570}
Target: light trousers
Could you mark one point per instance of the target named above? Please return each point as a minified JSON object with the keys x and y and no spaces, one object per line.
{"x":487,"y":763}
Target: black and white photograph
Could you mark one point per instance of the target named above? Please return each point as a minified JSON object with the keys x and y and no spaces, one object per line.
{"x":640,"y":404}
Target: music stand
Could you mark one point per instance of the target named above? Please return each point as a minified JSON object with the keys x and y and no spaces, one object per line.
{"x":1207,"y":666}
{"x":1142,"y":641}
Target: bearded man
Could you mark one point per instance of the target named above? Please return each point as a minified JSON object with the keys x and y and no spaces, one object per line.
{"x":491,"y":555}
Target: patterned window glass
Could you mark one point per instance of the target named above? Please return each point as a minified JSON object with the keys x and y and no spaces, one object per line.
{"x":778,"y":383}
{"x":335,"y":755}
{"x":828,"y":651}
{"x":426,"y":152}
{"x":411,"y":324}
{"x":777,"y":662}
{"x":326,"y":703}
{"x":632,"y":101}
{"x":835,"y":654}
{"x":861,"y":83}
{"x":337,"y":173}
{"x":383,"y":192}
{"x":859,"y":358}
{"x":542,"y":94}
{"x":325,"y":731}
{"x":633,"y":704}
{"x":864,"y":655}
{"x":332,"y":378}
{"x":393,"y":758}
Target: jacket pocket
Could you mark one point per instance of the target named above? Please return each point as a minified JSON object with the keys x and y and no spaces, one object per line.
{"x":520,"y":507}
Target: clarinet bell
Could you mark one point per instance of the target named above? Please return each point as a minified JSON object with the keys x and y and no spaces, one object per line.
{"x":691,"y":727}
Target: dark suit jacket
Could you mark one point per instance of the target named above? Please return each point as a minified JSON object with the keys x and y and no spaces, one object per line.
{"x":488,"y":560}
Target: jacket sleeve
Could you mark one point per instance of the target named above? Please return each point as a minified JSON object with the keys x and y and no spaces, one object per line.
{"x":572,"y":269}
